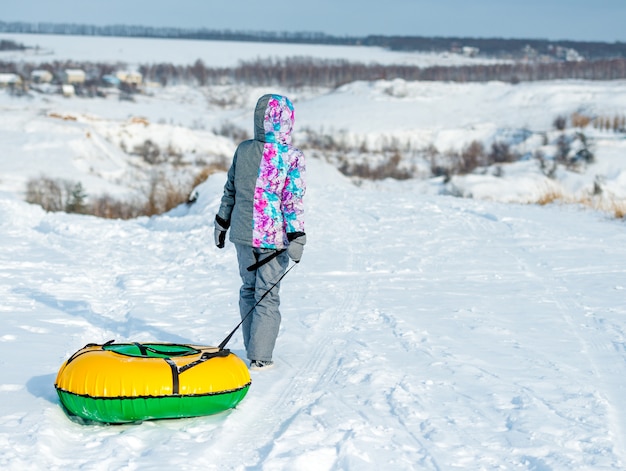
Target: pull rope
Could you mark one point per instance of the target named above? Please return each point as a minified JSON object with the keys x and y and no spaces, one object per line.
{"x":229,"y":336}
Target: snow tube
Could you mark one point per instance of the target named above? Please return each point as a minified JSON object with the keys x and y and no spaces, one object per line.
{"x":128,"y":382}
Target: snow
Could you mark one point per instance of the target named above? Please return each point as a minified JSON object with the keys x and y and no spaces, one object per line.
{"x":420,"y":331}
{"x":474,"y":108}
{"x":135,"y":51}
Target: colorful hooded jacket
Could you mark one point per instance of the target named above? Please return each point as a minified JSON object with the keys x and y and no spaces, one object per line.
{"x":262,"y":202}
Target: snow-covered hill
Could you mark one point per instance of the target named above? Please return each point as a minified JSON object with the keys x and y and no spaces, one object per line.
{"x":89,"y":140}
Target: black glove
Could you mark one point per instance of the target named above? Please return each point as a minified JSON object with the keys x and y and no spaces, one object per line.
{"x":296,"y":245}
{"x":221,"y":227}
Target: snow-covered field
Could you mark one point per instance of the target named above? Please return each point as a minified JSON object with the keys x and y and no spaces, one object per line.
{"x":133,"y":51}
{"x":420,"y":331}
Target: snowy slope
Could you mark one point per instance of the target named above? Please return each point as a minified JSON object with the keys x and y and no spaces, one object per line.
{"x":444,"y":108}
{"x":418,"y":332}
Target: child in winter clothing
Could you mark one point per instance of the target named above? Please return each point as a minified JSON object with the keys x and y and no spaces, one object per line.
{"x":262,"y":205}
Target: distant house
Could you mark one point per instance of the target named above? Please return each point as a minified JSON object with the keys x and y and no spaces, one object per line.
{"x":10,"y":80}
{"x":41,"y":76}
{"x":130,"y":78}
{"x":470,"y":51}
{"x":73,"y":76}
{"x":111,"y":80}
{"x":68,"y":90}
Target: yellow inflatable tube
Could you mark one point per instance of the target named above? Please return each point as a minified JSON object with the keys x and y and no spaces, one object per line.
{"x":127,"y":382}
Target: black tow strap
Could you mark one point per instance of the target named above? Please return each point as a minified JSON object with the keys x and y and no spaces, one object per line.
{"x":176,"y":371}
{"x":263,"y":261}
{"x":143,"y":350}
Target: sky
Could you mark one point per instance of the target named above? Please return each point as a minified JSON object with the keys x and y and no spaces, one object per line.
{"x":598,"y":20}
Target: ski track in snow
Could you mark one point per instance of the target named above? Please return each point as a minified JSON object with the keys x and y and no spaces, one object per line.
{"x":600,"y":341}
{"x":418,"y":332}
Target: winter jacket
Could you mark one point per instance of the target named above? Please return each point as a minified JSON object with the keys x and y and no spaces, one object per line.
{"x":262,"y":202}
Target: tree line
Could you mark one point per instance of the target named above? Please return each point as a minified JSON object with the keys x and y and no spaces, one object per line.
{"x":498,"y":47}
{"x":8,"y":45}
{"x":299,"y":72}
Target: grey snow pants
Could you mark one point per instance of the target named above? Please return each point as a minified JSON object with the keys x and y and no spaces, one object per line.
{"x":260,"y":328}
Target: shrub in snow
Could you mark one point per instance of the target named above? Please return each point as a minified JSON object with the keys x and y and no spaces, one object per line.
{"x":162,"y":194}
{"x":56,"y":195}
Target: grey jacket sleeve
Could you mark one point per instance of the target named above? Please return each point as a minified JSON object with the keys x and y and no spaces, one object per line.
{"x":228,"y":199}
